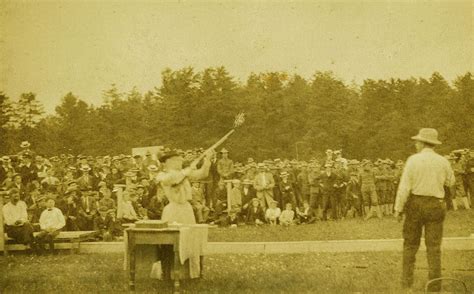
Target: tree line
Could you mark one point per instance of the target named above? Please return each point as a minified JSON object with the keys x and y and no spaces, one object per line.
{"x":287,"y":116}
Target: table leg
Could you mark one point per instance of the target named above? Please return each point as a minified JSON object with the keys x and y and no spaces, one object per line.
{"x":131,"y":262}
{"x":176,"y":271}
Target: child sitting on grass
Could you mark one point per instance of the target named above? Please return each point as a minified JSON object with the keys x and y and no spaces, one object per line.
{"x":255,"y":214}
{"x":273,"y":213}
{"x":287,"y":216}
{"x":307,"y":215}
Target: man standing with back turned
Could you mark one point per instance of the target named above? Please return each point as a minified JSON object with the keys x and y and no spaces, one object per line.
{"x":420,"y":197}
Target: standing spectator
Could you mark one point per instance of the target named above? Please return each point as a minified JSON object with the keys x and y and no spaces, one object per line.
{"x":459,"y":191}
{"x":210,"y":183}
{"x":51,"y":222}
{"x":248,"y":193}
{"x":353,"y":195}
{"x":225,"y":166}
{"x":27,"y":170}
{"x":328,"y":181}
{"x":287,"y":191}
{"x":368,"y":190}
{"x":303,"y":183}
{"x":420,"y":197}
{"x":15,"y":217}
{"x":264,"y":184}
{"x":315,"y":199}
{"x":340,"y":189}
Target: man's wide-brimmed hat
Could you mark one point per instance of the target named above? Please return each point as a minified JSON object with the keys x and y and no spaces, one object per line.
{"x":25,"y":144}
{"x":427,"y":135}
{"x":224,"y":150}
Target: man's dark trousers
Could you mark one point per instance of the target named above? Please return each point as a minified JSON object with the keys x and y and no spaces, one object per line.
{"x":428,"y":212}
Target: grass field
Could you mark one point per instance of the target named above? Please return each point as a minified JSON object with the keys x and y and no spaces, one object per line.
{"x":288,"y":273}
{"x":458,"y":224}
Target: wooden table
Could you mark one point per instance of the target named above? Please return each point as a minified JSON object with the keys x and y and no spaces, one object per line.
{"x":165,"y":236}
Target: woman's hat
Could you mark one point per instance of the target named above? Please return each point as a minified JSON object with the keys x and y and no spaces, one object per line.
{"x":427,"y":135}
{"x":168,"y":155}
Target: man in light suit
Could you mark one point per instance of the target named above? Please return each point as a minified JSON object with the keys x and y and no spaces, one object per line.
{"x":264,"y":184}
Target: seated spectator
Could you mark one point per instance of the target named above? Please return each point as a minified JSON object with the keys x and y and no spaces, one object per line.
{"x":35,"y":210}
{"x":107,"y":200}
{"x":15,"y":217}
{"x":156,"y":205}
{"x":220,"y":195}
{"x":50,"y":182}
{"x":70,"y":209}
{"x":103,"y":223}
{"x":128,"y":213}
{"x":51,"y":223}
{"x":287,"y":216}
{"x":201,"y":211}
{"x":273,"y":213}
{"x":255,"y":213}
{"x":137,"y":206}
{"x":8,"y":180}
{"x":307,"y":215}
{"x":87,"y":211}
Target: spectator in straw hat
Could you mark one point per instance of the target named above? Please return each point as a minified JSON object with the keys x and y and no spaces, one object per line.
{"x":27,"y":170}
{"x":225,"y":166}
{"x":264,"y":184}
{"x":420,"y":197}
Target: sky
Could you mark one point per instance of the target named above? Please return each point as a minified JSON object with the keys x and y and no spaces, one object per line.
{"x":55,"y":47}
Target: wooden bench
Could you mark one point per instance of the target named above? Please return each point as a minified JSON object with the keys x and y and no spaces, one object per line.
{"x":67,"y":240}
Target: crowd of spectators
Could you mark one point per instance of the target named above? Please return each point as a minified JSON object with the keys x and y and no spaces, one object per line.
{"x":101,"y":193}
